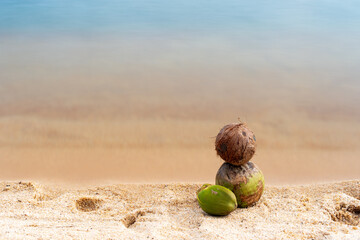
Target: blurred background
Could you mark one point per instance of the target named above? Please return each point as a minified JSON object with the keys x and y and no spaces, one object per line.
{"x":136,"y":91}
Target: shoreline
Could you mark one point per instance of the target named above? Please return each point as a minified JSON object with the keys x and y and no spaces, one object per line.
{"x":62,"y":183}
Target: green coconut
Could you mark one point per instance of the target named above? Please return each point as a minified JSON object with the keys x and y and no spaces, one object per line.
{"x":216,"y":200}
{"x":246,"y":181}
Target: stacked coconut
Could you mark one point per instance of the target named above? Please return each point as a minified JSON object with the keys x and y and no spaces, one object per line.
{"x":239,"y":182}
{"x":236,"y":145}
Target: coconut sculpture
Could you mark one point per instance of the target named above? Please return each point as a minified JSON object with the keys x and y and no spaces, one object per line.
{"x":236,"y":145}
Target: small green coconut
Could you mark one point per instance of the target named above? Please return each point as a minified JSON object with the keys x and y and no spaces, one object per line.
{"x":216,"y":200}
{"x":246,"y":181}
{"x":235,"y":143}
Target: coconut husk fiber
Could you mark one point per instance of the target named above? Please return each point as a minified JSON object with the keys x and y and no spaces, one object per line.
{"x":235,"y":143}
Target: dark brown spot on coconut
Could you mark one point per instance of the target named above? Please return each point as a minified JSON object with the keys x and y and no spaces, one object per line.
{"x":223,"y":147}
{"x":244,"y":134}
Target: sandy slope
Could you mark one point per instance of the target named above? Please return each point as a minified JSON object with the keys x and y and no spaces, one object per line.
{"x":170,"y":211}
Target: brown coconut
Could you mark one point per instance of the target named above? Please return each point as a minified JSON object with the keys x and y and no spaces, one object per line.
{"x":235,"y":143}
{"x":246,"y":181}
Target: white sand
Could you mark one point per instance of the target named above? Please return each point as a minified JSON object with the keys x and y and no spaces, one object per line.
{"x":159,"y":211}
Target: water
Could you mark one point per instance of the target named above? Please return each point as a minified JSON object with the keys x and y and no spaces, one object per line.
{"x":81,"y":74}
{"x":205,"y":16}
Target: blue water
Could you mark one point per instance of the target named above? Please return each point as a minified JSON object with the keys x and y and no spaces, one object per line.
{"x":296,"y":51}
{"x":92,"y":16}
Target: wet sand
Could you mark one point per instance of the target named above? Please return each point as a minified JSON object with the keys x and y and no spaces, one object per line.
{"x":290,"y":150}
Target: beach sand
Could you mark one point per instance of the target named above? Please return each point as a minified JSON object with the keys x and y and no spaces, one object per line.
{"x":31,"y":210}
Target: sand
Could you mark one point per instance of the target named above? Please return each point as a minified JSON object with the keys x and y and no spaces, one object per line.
{"x":31,"y":210}
{"x":290,"y":150}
